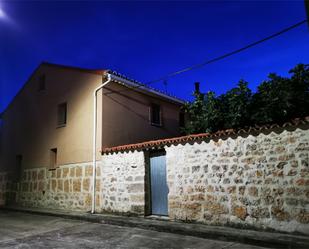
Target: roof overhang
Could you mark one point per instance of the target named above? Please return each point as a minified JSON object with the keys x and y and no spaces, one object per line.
{"x":141,"y":87}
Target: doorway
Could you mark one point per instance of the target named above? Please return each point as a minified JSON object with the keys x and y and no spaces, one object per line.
{"x":158,"y":184}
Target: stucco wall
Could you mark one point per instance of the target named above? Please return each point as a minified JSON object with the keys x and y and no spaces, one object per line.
{"x":126,"y":117}
{"x":30,"y":122}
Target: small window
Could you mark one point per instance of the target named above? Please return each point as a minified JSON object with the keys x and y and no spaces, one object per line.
{"x":155,"y":114}
{"x":53,"y":158}
{"x":41,"y":83}
{"x":62,"y":114}
{"x":19,"y":159}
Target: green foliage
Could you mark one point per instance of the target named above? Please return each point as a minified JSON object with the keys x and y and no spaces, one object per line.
{"x":278,"y":99}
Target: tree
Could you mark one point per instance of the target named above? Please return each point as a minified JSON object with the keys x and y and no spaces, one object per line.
{"x":235,"y":104}
{"x":278,"y":99}
{"x":204,"y":113}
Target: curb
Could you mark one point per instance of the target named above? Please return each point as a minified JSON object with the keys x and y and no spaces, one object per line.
{"x":267,"y":239}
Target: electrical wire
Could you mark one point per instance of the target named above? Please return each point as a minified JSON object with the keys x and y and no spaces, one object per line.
{"x":217,"y":58}
{"x":227,"y":54}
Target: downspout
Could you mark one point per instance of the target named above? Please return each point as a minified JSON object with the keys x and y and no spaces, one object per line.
{"x":95,"y":138}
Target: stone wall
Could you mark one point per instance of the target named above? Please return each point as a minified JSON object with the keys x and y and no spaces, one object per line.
{"x":67,"y":187}
{"x":3,"y":188}
{"x":259,"y":181}
{"x":123,"y":183}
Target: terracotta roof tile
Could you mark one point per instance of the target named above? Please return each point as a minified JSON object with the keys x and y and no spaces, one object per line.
{"x":198,"y":137}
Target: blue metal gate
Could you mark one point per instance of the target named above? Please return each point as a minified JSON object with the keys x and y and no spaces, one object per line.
{"x":159,"y":189}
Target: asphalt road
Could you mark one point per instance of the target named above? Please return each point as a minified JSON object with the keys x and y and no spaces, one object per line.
{"x":21,"y":230}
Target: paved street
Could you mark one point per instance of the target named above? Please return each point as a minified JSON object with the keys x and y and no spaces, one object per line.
{"x":21,"y":230}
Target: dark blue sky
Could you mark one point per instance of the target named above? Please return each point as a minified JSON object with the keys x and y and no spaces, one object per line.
{"x":146,"y":40}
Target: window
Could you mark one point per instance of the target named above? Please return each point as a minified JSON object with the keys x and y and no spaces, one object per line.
{"x":62,"y":114}
{"x":41,"y":83}
{"x":19,"y":159}
{"x":155,"y":115}
{"x":53,"y":158}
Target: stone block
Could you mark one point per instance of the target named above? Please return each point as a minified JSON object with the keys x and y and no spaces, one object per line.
{"x":136,"y":187}
{"x":98,"y":184}
{"x":138,"y":209}
{"x":240,"y":212}
{"x":304,"y":173}
{"x":280,"y":214}
{"x":292,"y":172}
{"x":200,"y":189}
{"x":65,"y":172}
{"x":34,"y":175}
{"x":41,"y":186}
{"x":231,"y":189}
{"x":78,"y":171}
{"x":303,"y":217}
{"x":41,"y":174}
{"x":86,"y":184}
{"x":25,"y":186}
{"x":87,"y":200}
{"x":77,"y":185}
{"x":72,"y":172}
{"x":137,"y":198}
{"x":129,"y":178}
{"x":53,"y":174}
{"x":53,"y":185}
{"x":253,"y":191}
{"x":302,"y":182}
{"x":98,"y":171}
{"x":215,"y":208}
{"x":260,"y":212}
{"x":66,"y":186}
{"x":88,"y":170}
{"x":193,"y":211}
{"x":139,"y":178}
{"x":58,"y":173}
{"x":35,"y":186}
{"x":60,"y":185}
{"x":241,"y":190}
{"x":196,"y":169}
{"x":197,"y":197}
{"x":97,"y":201}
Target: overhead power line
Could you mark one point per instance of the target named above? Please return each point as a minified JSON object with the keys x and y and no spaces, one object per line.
{"x":214,"y":59}
{"x":227,"y":54}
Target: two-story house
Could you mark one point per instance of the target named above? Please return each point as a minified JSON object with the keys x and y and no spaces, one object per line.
{"x":50,"y":122}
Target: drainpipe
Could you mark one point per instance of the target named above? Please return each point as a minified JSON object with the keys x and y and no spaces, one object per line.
{"x":94,"y":168}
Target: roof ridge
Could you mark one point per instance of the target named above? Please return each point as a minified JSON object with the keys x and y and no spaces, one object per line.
{"x":201,"y":136}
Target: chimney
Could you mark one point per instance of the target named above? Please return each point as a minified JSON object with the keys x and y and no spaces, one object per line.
{"x":197,"y":87}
